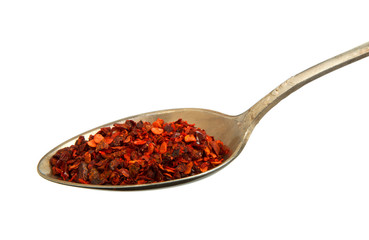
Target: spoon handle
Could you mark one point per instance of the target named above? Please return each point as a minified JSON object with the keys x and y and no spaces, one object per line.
{"x":256,"y":112}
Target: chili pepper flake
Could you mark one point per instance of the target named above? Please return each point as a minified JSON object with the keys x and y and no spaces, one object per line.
{"x":91,"y":143}
{"x":163,"y":148}
{"x":98,"y":138}
{"x":139,"y":153}
{"x":139,"y":142}
{"x":215,"y":147}
{"x":157,"y":130}
{"x":128,"y":139}
{"x":188,"y":168}
{"x":190,"y":138}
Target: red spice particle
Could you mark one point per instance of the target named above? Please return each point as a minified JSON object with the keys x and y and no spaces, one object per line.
{"x":127,"y":156}
{"x":82,"y":181}
{"x":168,"y":169}
{"x":74,"y":153}
{"x":124,"y":172}
{"x":181,"y":168}
{"x":74,"y":166}
{"x":98,"y":138}
{"x":207,"y":150}
{"x":108,"y":140}
{"x":158,"y":123}
{"x":215,"y":147}
{"x":157,"y":130}
{"x":163,"y":148}
{"x":168,"y":175}
{"x":188,"y":168}
{"x":139,"y":142}
{"x":150,"y":149}
{"x":204,"y":167}
{"x":73,"y":177}
{"x":128,"y":139}
{"x":102,"y":145}
{"x":94,"y":176}
{"x":213,"y":155}
{"x":91,"y":143}
{"x":87,"y":157}
{"x":190,"y":138}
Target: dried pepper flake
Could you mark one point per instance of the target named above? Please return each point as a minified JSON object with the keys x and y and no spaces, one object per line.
{"x":190,"y":138}
{"x":139,"y":142}
{"x":139,"y":153}
{"x":91,"y":143}
{"x":163,"y":148}
{"x":157,"y":130}
{"x":98,"y":138}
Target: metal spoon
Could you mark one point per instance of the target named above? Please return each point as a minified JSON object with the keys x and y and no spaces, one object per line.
{"x":234,"y":131}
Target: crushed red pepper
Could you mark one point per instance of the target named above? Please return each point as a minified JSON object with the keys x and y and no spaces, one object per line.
{"x":139,"y":153}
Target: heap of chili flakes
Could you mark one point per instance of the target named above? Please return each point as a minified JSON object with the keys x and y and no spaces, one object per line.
{"x":139,"y":153}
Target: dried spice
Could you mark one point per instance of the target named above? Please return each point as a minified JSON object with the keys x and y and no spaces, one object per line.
{"x":139,"y":153}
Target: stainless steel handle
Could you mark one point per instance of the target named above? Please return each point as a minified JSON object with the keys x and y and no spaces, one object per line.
{"x":256,"y":112}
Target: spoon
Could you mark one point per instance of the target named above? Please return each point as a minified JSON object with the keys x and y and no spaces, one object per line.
{"x":234,"y":131}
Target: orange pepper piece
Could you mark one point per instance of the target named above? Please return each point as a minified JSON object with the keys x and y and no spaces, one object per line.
{"x":157,"y":130}
{"x":98,"y":138}
{"x":190,"y":138}
{"x":163,"y":148}
{"x":91,"y":143}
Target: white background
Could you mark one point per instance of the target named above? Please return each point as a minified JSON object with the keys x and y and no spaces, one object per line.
{"x":69,"y":66}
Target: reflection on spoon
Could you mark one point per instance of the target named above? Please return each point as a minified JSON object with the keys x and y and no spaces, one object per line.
{"x":233,"y":131}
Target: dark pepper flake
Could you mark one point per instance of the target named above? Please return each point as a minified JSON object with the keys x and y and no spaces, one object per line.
{"x":139,"y":153}
{"x":83,"y":171}
{"x":168,"y":128}
{"x":94,"y":176}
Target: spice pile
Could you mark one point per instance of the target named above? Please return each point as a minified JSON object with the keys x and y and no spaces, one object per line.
{"x":139,"y":153}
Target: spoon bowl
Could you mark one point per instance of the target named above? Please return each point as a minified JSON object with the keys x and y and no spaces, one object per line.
{"x":233,"y":131}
